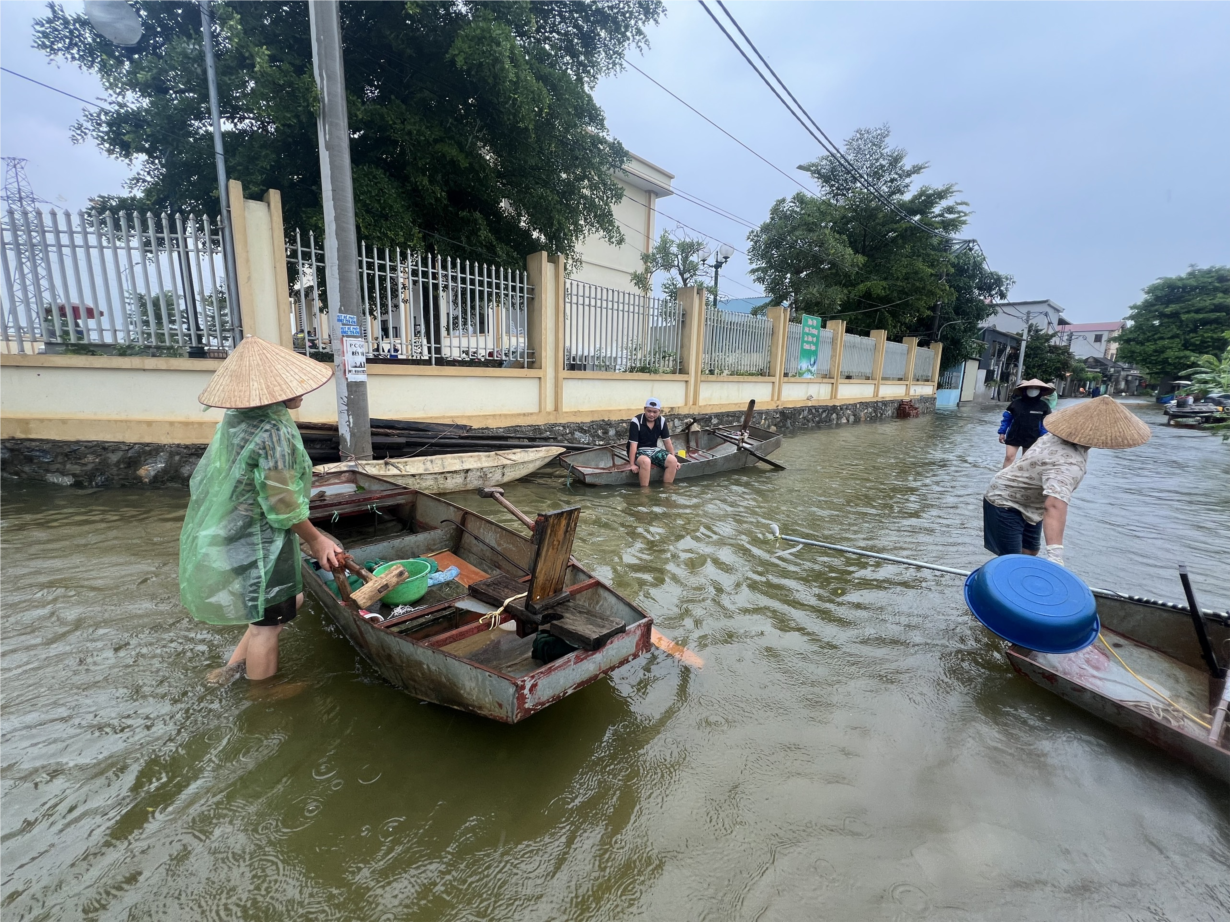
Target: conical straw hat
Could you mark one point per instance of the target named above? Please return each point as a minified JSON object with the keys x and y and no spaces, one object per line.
{"x":1098,"y":423}
{"x":1034,"y":382}
{"x":259,"y":373}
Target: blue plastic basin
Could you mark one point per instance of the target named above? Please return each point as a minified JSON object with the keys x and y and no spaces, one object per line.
{"x":1034,"y":603}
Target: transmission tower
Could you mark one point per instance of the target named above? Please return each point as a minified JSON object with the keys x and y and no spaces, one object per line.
{"x":20,"y":203}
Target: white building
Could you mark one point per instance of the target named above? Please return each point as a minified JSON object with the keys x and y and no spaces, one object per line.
{"x":612,"y":266}
{"x":1009,"y":316}
{"x":1091,"y":340}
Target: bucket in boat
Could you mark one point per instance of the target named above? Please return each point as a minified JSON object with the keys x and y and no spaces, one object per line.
{"x":412,"y":589}
{"x":1033,"y":602}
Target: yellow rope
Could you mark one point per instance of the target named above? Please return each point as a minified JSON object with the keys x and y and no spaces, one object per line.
{"x":495,"y":615}
{"x":1148,"y":686}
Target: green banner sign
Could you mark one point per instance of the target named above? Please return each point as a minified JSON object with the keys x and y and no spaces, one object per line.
{"x":809,"y":346}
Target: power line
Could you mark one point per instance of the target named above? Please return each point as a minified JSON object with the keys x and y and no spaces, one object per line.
{"x":55,"y":89}
{"x":718,"y":127}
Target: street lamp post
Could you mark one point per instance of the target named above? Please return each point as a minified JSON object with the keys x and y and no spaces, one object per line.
{"x":720,"y":258}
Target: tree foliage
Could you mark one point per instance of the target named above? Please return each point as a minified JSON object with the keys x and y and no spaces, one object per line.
{"x":1180,"y":318}
{"x":844,"y":255}
{"x":470,"y":121}
{"x":679,"y":258}
{"x":1046,"y":359}
{"x":1211,"y":374}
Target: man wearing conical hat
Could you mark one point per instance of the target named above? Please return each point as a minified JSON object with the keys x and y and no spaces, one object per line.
{"x":1022,"y":425}
{"x":239,"y":548}
{"x":1028,"y":500}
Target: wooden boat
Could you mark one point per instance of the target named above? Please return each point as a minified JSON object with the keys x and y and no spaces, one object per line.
{"x":442,"y":650}
{"x":452,"y":473}
{"x":709,"y":451}
{"x":352,"y":491}
{"x":1145,"y":641}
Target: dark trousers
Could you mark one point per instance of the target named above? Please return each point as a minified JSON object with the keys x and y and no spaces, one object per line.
{"x":1005,"y":531}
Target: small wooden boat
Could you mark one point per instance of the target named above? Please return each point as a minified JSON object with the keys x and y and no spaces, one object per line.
{"x":469,"y":644}
{"x":709,"y":451}
{"x":351,"y":491}
{"x":1146,"y":674}
{"x":451,"y":473}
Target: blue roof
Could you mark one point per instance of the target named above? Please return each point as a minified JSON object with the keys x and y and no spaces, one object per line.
{"x":743,"y":305}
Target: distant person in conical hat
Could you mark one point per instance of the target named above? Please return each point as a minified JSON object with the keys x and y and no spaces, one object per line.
{"x":239,"y":547}
{"x":1028,"y":500}
{"x":1021,"y":424}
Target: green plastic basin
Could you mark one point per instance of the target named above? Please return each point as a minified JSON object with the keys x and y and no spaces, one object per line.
{"x":412,"y":589}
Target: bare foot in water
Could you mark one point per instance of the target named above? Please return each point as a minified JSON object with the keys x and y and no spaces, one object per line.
{"x":224,"y":675}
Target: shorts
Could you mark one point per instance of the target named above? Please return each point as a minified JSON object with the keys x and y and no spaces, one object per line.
{"x":283,"y":575}
{"x":657,"y":456}
{"x":1021,"y":441}
{"x":1005,"y":531}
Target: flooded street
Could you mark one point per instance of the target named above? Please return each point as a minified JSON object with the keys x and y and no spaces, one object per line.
{"x":856,"y":746}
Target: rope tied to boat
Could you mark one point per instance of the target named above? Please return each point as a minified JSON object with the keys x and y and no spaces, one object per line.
{"x":496,"y":615}
{"x":1131,"y":672}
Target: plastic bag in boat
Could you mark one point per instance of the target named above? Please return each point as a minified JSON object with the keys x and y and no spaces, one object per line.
{"x":237,"y":554}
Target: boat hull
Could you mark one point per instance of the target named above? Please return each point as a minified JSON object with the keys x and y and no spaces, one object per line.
{"x":607,"y":465}
{"x":452,"y":473}
{"x":1158,"y":638}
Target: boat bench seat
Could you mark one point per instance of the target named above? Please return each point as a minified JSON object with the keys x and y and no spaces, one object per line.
{"x":570,"y":621}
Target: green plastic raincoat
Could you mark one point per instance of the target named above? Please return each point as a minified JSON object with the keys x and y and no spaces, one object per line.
{"x":237,"y":554}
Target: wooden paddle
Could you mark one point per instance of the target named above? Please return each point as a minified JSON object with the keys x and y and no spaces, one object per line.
{"x":739,"y":444}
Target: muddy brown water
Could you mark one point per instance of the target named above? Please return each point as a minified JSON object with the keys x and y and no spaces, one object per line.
{"x":856,"y":746}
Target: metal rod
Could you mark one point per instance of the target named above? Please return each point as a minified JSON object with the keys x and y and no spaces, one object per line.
{"x":859,"y":553}
{"x":1202,"y":632}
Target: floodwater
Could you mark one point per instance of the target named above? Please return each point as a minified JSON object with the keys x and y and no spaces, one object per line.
{"x":856,"y":746}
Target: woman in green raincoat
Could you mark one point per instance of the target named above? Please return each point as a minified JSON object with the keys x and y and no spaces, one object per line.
{"x":239,"y":548}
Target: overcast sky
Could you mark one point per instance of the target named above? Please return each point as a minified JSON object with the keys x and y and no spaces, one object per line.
{"x":1091,"y":140}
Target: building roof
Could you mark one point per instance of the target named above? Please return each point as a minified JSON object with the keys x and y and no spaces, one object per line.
{"x":742,"y":305}
{"x":1105,"y":326}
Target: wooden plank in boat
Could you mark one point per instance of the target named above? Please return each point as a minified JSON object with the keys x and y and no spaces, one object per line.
{"x":583,"y":627}
{"x":469,"y":573}
{"x":554,"y":533}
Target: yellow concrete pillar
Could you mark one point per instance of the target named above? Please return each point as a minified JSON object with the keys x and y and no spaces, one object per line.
{"x":558,"y":324}
{"x":260,"y":265}
{"x":273,"y":201}
{"x":839,"y":341}
{"x":877,"y":363}
{"x":911,"y":345}
{"x":780,"y":316}
{"x":243,"y":260}
{"x":938,"y":349}
{"x":692,"y":303}
{"x":541,"y":327}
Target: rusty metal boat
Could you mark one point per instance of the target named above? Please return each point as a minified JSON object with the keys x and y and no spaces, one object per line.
{"x":709,"y":451}
{"x":470,"y":643}
{"x":1148,"y":674}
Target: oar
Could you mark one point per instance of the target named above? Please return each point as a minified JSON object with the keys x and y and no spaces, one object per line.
{"x":739,"y":444}
{"x":861,"y":553}
{"x":662,"y":642}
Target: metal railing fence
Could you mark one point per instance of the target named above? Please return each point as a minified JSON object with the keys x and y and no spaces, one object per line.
{"x":123,"y":283}
{"x":610,"y":330}
{"x":824,"y":352}
{"x":414,"y":306}
{"x":736,"y":344}
{"x":924,"y":360}
{"x":951,"y":378}
{"x":857,"y":356}
{"x":895,"y":356}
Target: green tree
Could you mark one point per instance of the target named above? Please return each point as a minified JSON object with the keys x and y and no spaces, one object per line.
{"x":472,"y":121}
{"x":1046,"y":359}
{"x":845,"y":255}
{"x":1211,"y":374}
{"x":679,"y":258}
{"x":1180,"y":318}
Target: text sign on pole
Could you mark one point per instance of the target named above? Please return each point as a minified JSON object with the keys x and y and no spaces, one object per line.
{"x":355,"y":352}
{"x":348,"y":325}
{"x":809,"y":346}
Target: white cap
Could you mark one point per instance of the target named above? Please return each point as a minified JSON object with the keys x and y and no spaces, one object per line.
{"x":653,"y":403}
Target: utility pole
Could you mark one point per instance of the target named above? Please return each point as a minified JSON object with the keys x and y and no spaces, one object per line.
{"x":1020,"y":359}
{"x":341,"y":245}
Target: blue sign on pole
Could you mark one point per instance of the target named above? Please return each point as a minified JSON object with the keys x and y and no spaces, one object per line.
{"x":348,"y":325}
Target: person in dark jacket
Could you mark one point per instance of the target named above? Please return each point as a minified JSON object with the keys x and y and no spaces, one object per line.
{"x":1022,"y":424}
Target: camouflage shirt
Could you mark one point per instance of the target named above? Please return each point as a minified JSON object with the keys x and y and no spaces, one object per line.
{"x":1051,"y":467}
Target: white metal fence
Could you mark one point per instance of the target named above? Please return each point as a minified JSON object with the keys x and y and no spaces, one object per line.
{"x":736,"y":344}
{"x":895,"y":356}
{"x":106,"y":283}
{"x":416,"y":307}
{"x":924,"y":360}
{"x":824,"y":356}
{"x":857,"y":356}
{"x":610,"y":330}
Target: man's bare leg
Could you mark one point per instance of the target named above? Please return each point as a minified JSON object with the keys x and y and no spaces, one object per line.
{"x":238,"y":660}
{"x":262,"y":661}
{"x":1010,"y":454}
{"x":643,"y":467}
{"x":672,"y":466}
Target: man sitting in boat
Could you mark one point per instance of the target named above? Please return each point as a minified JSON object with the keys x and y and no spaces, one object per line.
{"x":1029,"y":499}
{"x":645,"y":430}
{"x":239,"y":548}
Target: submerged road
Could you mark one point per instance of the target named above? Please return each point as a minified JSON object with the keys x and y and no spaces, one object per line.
{"x":856,"y":746}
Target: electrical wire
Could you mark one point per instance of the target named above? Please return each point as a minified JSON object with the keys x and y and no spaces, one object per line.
{"x":56,"y":89}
